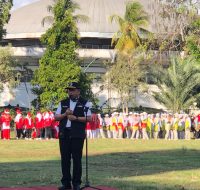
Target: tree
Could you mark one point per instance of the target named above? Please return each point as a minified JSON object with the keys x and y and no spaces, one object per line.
{"x":126,"y":72}
{"x":172,"y":20}
{"x":7,"y":72}
{"x":127,"y":38}
{"x":5,"y":6}
{"x":177,"y":85}
{"x":192,"y":46}
{"x":77,"y":18}
{"x":123,"y":76}
{"x":7,"y":62}
{"x":60,"y":64}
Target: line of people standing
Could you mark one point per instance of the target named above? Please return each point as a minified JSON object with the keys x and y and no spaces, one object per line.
{"x":29,"y":126}
{"x":145,"y":126}
{"x":117,"y":125}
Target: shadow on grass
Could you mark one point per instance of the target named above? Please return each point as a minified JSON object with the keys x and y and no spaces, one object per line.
{"x":106,"y":169}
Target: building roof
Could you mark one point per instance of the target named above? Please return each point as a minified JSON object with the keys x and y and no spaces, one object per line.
{"x":25,"y":22}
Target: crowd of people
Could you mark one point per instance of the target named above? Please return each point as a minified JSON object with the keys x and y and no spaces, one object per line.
{"x":29,"y":126}
{"x":43,"y":125}
{"x":144,"y":126}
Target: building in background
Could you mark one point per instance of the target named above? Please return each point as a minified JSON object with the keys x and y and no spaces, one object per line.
{"x":25,"y":29}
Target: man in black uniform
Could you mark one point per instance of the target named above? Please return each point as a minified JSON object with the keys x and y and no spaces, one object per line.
{"x":72,"y":113}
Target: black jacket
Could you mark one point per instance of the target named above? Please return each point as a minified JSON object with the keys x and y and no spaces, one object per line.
{"x":77,"y":128}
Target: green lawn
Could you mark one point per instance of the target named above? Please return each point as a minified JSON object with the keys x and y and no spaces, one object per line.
{"x":124,"y":164}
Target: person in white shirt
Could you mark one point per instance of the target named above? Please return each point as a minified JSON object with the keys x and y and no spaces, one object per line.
{"x":73,"y":113}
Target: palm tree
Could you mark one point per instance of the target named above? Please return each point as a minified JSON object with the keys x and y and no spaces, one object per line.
{"x":127,"y":37}
{"x":126,"y":72}
{"x":73,"y":7}
{"x":177,"y":85}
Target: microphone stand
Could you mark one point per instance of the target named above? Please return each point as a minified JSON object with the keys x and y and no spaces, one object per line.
{"x":87,"y":183}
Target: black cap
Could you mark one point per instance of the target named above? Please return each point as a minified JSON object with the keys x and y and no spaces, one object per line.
{"x":73,"y":85}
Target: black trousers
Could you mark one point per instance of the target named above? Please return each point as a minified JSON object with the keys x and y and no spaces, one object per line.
{"x":20,"y":133}
{"x":71,"y":149}
{"x":28,"y":133}
{"x":48,"y":132}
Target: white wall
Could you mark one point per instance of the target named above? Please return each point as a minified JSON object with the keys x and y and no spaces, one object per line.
{"x":20,"y":95}
{"x":142,"y":99}
{"x":23,"y":97}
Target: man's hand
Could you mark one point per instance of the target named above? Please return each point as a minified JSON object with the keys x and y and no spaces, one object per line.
{"x":68,"y":112}
{"x":59,"y":117}
{"x":72,"y":117}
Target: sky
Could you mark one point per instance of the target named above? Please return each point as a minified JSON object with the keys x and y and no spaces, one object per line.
{"x":20,"y":3}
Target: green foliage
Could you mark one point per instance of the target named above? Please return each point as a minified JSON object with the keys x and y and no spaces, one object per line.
{"x":135,"y":14}
{"x":193,"y":46}
{"x":124,"y":75}
{"x":173,"y":20}
{"x":177,"y":85}
{"x":126,"y":72}
{"x":59,"y":65}
{"x":127,"y":38}
{"x":157,"y":164}
{"x":7,"y":64}
{"x":192,"y":41}
{"x":5,"y":6}
{"x":73,"y":6}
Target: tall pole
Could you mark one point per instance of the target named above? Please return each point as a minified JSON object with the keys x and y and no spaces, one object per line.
{"x":87,"y":183}
{"x":90,"y":64}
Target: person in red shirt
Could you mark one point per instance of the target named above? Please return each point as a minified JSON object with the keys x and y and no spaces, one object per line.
{"x":5,"y":120}
{"x":47,"y":121}
{"x":198,"y":118}
{"x":28,"y":125}
{"x":94,"y":125}
{"x":34,"y":133}
{"x":100,"y":131}
{"x":120,"y":125}
{"x":55,"y":128}
{"x":88,"y":130}
{"x":0,"y":125}
{"x":39,"y":125}
{"x":144,"y":125}
{"x":19,"y":124}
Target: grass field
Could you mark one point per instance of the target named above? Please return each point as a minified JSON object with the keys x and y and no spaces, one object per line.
{"x":124,"y":164}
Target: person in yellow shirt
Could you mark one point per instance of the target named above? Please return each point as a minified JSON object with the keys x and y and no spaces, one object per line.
{"x":168,"y":125}
{"x":107,"y":126}
{"x":181,"y":127}
{"x":149,"y":125}
{"x":187,"y":127}
{"x":157,"y":126}
{"x":120,"y":125}
{"x":135,"y":126}
{"x":175,"y":126}
{"x":113,"y":126}
{"x":163,"y":120}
